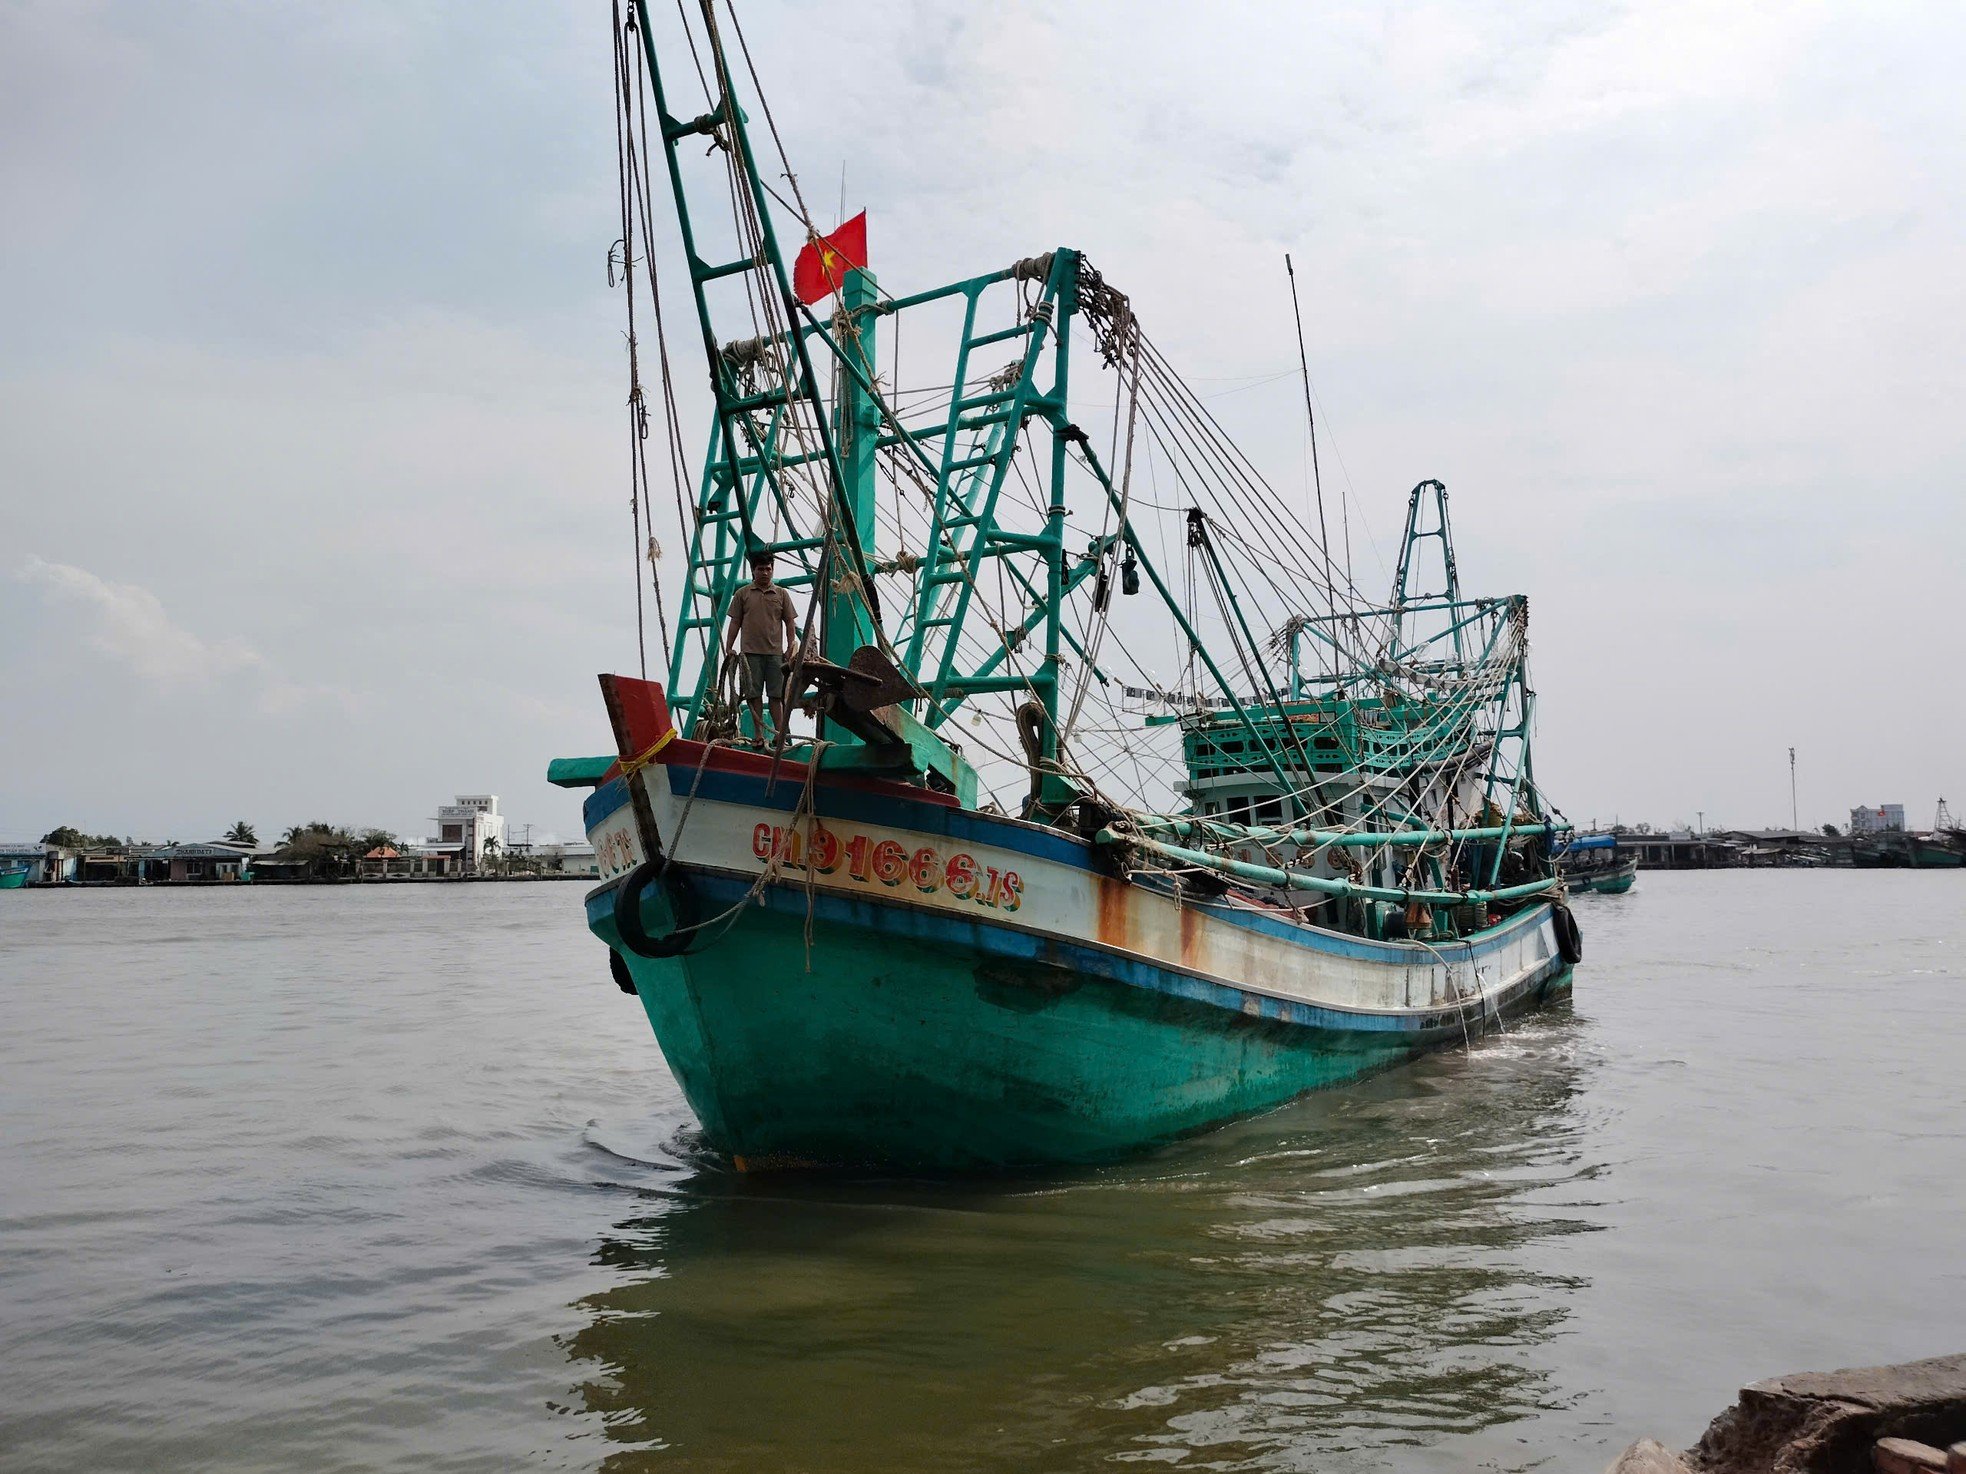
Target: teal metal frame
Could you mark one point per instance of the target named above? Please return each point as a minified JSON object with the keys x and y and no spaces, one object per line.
{"x":966,"y":449}
{"x":763,"y":432}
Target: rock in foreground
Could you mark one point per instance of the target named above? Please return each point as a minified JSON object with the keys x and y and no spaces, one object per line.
{"x":1821,"y":1422}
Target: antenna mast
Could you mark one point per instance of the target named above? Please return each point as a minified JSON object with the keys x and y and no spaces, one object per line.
{"x":1310,"y":418}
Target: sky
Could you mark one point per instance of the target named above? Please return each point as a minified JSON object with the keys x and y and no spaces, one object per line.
{"x":313,"y":497}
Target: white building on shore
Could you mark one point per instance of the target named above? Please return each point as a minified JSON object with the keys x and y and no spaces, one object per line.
{"x":570,"y":857}
{"x":468,"y":828}
{"x":1885,"y":818}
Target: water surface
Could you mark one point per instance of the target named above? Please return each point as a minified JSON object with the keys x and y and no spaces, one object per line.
{"x":392,"y":1178}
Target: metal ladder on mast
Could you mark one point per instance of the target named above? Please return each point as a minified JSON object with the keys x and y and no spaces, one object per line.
{"x":747,"y":462}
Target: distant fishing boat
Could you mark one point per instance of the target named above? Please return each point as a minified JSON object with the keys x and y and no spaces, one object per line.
{"x":14,"y":877}
{"x":1935,"y":852}
{"x":1614,"y":881}
{"x":1124,"y":812}
{"x":1593,"y":862}
{"x":1902,"y":850}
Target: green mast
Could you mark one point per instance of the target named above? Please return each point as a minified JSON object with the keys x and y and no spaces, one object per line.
{"x":856,"y":429}
{"x":1053,"y":789}
{"x":973,"y":598}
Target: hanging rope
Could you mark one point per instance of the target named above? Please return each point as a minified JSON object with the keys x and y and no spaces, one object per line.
{"x":628,"y":160}
{"x":1422,"y":736}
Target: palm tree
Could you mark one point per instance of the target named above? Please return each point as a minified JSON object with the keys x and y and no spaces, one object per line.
{"x":328,"y":850}
{"x":241,"y":833}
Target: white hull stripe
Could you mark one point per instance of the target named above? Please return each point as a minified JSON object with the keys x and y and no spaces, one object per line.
{"x":944,"y":872}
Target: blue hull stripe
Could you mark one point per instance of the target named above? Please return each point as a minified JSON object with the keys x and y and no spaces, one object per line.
{"x":603,"y":801}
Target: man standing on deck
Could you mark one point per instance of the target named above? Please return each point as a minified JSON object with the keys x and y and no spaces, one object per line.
{"x":764,"y":632}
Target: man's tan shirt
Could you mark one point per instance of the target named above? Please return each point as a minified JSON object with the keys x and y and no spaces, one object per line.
{"x":761,"y":615}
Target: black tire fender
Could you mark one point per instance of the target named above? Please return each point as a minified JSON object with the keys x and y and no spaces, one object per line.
{"x":628,"y":895}
{"x":1569,"y":940}
{"x":618,"y":970}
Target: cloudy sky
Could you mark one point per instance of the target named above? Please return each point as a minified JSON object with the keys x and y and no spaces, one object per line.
{"x":312,"y":498}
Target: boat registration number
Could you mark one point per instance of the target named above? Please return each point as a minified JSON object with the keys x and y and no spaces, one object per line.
{"x":617,"y":848}
{"x":959,"y":875}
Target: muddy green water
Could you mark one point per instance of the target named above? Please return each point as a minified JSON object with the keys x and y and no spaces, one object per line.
{"x":394,"y":1179}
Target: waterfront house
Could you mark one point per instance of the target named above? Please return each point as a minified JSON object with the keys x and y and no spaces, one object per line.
{"x":1765,"y":847}
{"x":213,"y":860}
{"x":200,"y":863}
{"x":386,"y":861}
{"x":46,"y":864}
{"x":377,"y":862}
{"x":576,"y":857}
{"x":123,"y":865}
{"x":1678,"y":850}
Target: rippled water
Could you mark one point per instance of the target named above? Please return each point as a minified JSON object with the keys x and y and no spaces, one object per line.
{"x":394,"y":1179}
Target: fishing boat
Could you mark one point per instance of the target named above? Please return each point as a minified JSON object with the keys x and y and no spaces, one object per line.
{"x":1593,"y":862}
{"x":1906,"y":850}
{"x":1121,"y":812}
{"x":14,"y":877}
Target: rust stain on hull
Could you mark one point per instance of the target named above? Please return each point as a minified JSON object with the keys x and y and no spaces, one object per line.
{"x":1115,"y":912}
{"x":1191,"y":920}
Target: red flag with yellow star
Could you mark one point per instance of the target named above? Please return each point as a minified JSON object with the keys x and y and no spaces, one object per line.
{"x":822,"y":266}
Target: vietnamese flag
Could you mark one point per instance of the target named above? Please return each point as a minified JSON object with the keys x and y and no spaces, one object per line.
{"x":823,"y":264}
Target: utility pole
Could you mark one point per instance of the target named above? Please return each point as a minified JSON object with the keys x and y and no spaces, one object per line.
{"x":1792,"y":822}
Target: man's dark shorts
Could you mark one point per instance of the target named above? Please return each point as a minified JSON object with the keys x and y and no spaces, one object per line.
{"x":762,"y":677}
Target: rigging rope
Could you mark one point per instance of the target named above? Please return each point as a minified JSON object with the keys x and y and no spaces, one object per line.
{"x":1254,"y":548}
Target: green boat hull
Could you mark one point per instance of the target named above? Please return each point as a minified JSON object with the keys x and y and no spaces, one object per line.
{"x":899,"y":1053}
{"x":1604,"y":880}
{"x":1611,"y":885}
{"x":12,"y":880}
{"x":1902,"y":852}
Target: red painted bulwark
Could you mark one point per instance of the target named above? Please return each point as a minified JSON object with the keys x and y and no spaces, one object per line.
{"x":639,"y":711}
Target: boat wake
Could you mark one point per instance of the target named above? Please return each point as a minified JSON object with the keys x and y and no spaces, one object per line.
{"x":656,"y":1142}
